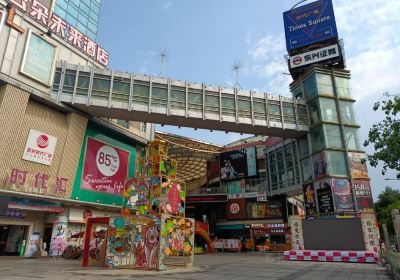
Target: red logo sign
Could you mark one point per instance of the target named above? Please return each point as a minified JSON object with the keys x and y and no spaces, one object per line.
{"x":42,"y":141}
{"x":234,"y":208}
{"x":105,"y":168}
{"x":297,"y":60}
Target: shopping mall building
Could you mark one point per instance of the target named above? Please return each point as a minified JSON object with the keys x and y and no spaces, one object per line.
{"x":300,"y":183}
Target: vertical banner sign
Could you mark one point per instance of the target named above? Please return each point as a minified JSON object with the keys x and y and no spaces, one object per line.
{"x":58,"y":237}
{"x":358,"y":166}
{"x":38,"y":61}
{"x":324,"y":196}
{"x":105,"y":168}
{"x":309,"y":24}
{"x":296,"y":227}
{"x":370,"y":231}
{"x":309,"y":200}
{"x":342,"y":195}
{"x":363,"y":195}
{"x":238,"y":164}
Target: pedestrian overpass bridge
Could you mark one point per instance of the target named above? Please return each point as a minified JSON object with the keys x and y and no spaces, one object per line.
{"x":120,"y":95}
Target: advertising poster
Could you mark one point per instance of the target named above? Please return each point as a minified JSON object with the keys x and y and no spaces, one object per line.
{"x":105,"y":168}
{"x":320,"y":165}
{"x":308,"y":24}
{"x":324,"y":196}
{"x":39,"y":147}
{"x":238,"y":164}
{"x":357,"y":166}
{"x":58,"y":236}
{"x":309,"y":200}
{"x":363,"y":195}
{"x":342,"y":195}
{"x":38,"y":61}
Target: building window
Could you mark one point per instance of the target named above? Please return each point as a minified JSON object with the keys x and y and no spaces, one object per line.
{"x":328,"y":110}
{"x":143,"y":127}
{"x":303,"y":147}
{"x":317,"y":139}
{"x":306,"y":169}
{"x":315,"y":113}
{"x":336,"y":163}
{"x":333,"y":137}
{"x":324,"y":83}
{"x":123,"y":123}
{"x":343,"y":88}
{"x":352,"y":137}
{"x":310,"y":87}
{"x":347,"y":112}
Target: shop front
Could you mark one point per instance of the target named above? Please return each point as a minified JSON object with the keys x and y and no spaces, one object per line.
{"x":270,"y":236}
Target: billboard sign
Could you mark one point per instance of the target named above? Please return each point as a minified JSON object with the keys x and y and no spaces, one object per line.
{"x":38,"y":61}
{"x":105,"y":168}
{"x":363,"y":195}
{"x":309,"y":200}
{"x":314,"y":56}
{"x":39,"y":147}
{"x":309,"y":24}
{"x":358,"y":166}
{"x":324,"y":196}
{"x":238,"y":164}
{"x":342,"y":195}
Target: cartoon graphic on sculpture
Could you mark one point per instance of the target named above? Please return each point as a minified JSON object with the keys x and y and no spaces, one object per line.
{"x":151,"y":246}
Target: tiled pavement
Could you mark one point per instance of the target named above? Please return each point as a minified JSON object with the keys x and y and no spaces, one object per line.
{"x":229,"y":266}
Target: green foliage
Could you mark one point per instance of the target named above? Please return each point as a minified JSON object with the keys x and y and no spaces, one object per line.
{"x":388,"y":200}
{"x":385,"y":135}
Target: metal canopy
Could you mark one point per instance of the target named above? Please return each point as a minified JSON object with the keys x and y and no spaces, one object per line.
{"x":129,"y":96}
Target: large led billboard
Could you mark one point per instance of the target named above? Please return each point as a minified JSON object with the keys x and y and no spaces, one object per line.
{"x":238,"y":164}
{"x":308,"y":24}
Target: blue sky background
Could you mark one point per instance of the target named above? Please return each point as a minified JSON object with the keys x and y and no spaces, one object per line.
{"x":204,"y":38}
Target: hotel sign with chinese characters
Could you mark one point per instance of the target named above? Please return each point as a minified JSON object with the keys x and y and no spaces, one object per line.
{"x":55,"y":24}
{"x":39,"y":147}
{"x":314,"y":56}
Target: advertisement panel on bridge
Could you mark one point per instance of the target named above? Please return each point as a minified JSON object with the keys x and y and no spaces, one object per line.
{"x":308,"y":24}
{"x":238,"y":164}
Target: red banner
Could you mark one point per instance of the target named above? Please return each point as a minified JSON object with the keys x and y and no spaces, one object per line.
{"x":105,"y":168}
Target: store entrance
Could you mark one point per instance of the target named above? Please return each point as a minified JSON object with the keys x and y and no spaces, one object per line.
{"x":11,"y":238}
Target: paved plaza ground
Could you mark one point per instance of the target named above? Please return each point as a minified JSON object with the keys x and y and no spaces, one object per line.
{"x":228,"y":266}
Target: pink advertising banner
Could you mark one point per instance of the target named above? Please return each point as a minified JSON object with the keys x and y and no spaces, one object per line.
{"x":105,"y":168}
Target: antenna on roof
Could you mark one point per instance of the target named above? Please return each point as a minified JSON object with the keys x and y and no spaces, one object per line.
{"x":236,"y":67}
{"x":164,"y":55}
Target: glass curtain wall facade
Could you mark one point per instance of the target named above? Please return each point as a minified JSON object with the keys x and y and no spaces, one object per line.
{"x":81,"y":14}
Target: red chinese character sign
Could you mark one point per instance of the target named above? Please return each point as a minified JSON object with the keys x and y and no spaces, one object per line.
{"x":105,"y":168}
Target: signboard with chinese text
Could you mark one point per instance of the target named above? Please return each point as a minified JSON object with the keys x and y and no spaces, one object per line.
{"x":35,"y":205}
{"x":363,"y":195}
{"x":238,"y":164}
{"x":309,"y":24}
{"x":105,"y":168}
{"x":39,"y":147}
{"x":370,"y":231}
{"x":296,"y":226}
{"x":309,"y":200}
{"x":206,"y":198}
{"x":342,"y":195}
{"x":324,"y":196}
{"x":38,"y":61}
{"x":314,"y":56}
{"x":358,"y":166}
{"x":58,"y":26}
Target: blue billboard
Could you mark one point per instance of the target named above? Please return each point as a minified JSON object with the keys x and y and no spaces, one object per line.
{"x":309,"y":24}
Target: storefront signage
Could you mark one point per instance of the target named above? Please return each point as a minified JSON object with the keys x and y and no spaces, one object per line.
{"x":358,"y":166}
{"x":55,"y":24}
{"x":206,"y":198}
{"x":38,"y":61}
{"x":342,"y":195}
{"x":35,"y":205}
{"x":296,"y":227}
{"x":2,"y":18}
{"x":314,"y":56}
{"x":363,"y":195}
{"x":238,"y":164}
{"x":39,"y":147}
{"x":261,"y":196}
{"x":13,"y":214}
{"x":370,"y":231}
{"x":308,"y":24}
{"x":309,"y":200}
{"x":236,"y":209}
{"x":325,"y":201}
{"x":105,"y":168}
{"x":40,"y":183}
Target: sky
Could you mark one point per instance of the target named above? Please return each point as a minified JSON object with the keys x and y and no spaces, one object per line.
{"x":204,"y":38}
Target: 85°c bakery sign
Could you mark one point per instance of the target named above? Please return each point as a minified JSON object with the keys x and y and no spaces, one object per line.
{"x":105,"y":167}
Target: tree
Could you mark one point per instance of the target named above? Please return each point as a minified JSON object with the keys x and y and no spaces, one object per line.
{"x":385,"y":135}
{"x":388,"y":200}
